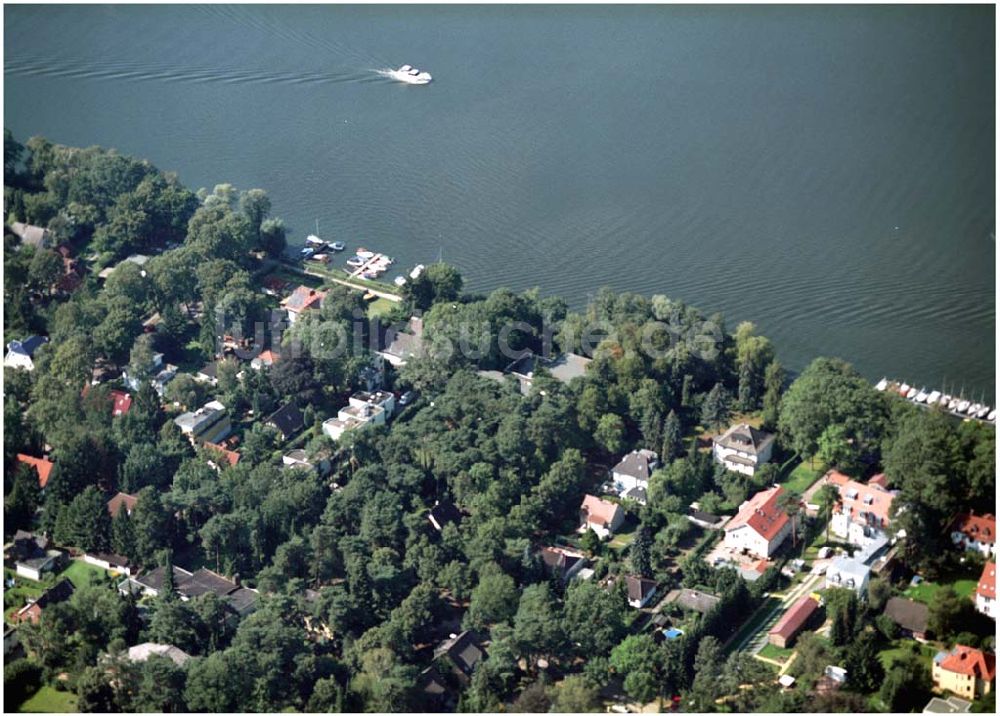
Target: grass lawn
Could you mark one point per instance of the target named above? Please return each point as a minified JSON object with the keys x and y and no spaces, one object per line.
{"x":900,"y":648}
{"x":80,"y":573}
{"x":800,"y":478}
{"x":624,"y":537}
{"x":770,"y":651}
{"x":14,"y":598}
{"x":925,"y":591}
{"x":380,"y":307}
{"x":48,"y":700}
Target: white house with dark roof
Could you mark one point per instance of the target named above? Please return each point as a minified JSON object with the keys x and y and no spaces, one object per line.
{"x":21,"y":354}
{"x":563,"y":563}
{"x":640,"y":590}
{"x":742,"y":448}
{"x":399,"y":346}
{"x":634,"y":471}
{"x":848,"y":573}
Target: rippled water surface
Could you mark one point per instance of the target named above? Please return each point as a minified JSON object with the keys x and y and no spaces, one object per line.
{"x":825,"y":172}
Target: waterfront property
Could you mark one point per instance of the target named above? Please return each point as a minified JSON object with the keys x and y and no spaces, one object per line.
{"x":743,"y":448}
{"x":761,"y":525}
{"x":302,"y":299}
{"x":862,"y":514}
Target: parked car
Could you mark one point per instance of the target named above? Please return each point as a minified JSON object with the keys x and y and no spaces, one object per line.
{"x":407,"y":397}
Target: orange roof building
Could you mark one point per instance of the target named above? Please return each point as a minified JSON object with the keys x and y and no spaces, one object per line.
{"x":761,"y":525}
{"x":976,"y":532}
{"x":601,"y":516}
{"x":230,"y":457}
{"x":986,"y":591}
{"x":120,"y":500}
{"x":43,"y":466}
{"x":863,"y":512}
{"x":964,"y":671}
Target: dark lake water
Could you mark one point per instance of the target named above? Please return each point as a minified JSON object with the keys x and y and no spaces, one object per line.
{"x":825,"y":172}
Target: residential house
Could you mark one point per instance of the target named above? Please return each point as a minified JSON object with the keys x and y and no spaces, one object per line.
{"x":783,"y":634}
{"x":742,"y":448}
{"x":122,"y":500}
{"x":640,"y":590}
{"x":363,"y":409}
{"x":848,"y":573}
{"x":266,"y":359}
{"x":976,"y":533}
{"x":21,"y":354}
{"x":601,"y":516}
{"x":29,"y":234}
{"x":563,"y":368}
{"x":631,"y":475}
{"x":861,"y":515}
{"x":300,"y":300}
{"x":443,"y":513}
{"x":141,"y":652}
{"x":909,"y":615}
{"x":460,"y":653}
{"x":287,"y":420}
{"x":964,"y":671}
{"x":692,"y":600}
{"x":189,"y":585}
{"x":208,"y":373}
{"x":43,"y":466}
{"x":563,"y":563}
{"x":121,"y":403}
{"x":949,"y":705}
{"x":32,"y":555}
{"x":220,"y":456}
{"x":761,"y":525}
{"x":209,"y":423}
{"x":299,"y":458}
{"x":32,"y":612}
{"x":986,"y":591}
{"x":109,"y":561}
{"x":137,"y":259}
{"x":399,"y":346}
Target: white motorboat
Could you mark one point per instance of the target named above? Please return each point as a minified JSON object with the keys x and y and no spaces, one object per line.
{"x":337,"y":246}
{"x":410,"y":75}
{"x":882,"y":385}
{"x":417,"y":270}
{"x":365,"y":253}
{"x":307,"y":252}
{"x":992,"y":415}
{"x":945,"y":401}
{"x":399,"y":281}
{"x":934,"y":397}
{"x":921,"y":396}
{"x":355,"y":261}
{"x":953,"y":403}
{"x":912,"y":393}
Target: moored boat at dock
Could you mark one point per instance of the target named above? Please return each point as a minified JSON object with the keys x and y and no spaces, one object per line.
{"x":957,"y":406}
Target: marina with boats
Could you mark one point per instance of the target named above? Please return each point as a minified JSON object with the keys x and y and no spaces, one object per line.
{"x":363,"y":264}
{"x":956,"y":405}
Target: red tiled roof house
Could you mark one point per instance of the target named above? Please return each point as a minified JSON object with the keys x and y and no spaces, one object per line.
{"x":976,"y":532}
{"x":964,"y":671}
{"x":601,"y":516}
{"x":760,"y":526}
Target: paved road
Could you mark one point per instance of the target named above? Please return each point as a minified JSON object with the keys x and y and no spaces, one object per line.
{"x":756,"y":640}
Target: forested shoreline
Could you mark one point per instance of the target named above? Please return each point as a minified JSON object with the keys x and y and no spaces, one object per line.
{"x":356,"y":586}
